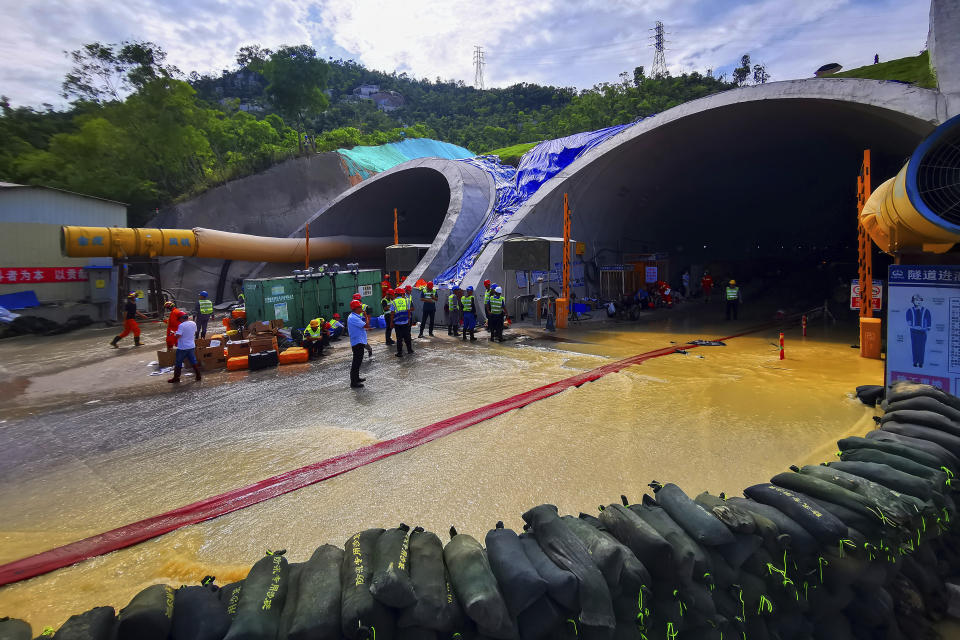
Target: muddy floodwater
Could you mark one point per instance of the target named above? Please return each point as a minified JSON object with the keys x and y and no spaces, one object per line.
{"x":88,"y":460}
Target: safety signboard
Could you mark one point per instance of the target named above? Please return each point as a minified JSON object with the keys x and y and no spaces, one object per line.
{"x":923,"y":326}
{"x":876,"y":295}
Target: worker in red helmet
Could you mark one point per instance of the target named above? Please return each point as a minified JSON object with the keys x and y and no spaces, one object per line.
{"x":385,"y":303}
{"x":428,"y":302}
{"x":402,"y":318}
{"x":357,"y":327}
{"x":173,"y":321}
{"x":365,"y":312}
{"x":336,"y":327}
{"x":186,"y":343}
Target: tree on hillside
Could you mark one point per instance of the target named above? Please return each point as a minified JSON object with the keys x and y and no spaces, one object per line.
{"x":252,"y":55}
{"x":760,"y":75}
{"x":741,"y":73}
{"x":105,"y":72}
{"x":296,"y":80}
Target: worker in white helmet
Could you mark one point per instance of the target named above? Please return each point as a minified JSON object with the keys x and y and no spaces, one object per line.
{"x":496,"y":316}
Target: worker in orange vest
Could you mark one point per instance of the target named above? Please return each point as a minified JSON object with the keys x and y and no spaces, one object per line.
{"x":706,"y":285}
{"x":173,"y":323}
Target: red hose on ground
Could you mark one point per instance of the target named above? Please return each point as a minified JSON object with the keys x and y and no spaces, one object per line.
{"x":288,"y":481}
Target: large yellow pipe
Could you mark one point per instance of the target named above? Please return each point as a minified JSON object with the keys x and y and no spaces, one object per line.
{"x":117,"y":242}
{"x":908,"y":212}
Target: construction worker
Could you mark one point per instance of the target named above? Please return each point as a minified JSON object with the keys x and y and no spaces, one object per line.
{"x":385,"y":303}
{"x":706,"y":285}
{"x":468,"y":304}
{"x":365,"y":311}
{"x":203,"y":312}
{"x":496,"y":314}
{"x":336,"y":327}
{"x":400,"y":308}
{"x":186,"y":343}
{"x":408,"y":293}
{"x":453,"y":312}
{"x":428,"y":300}
{"x":357,"y":325}
{"x":313,"y":338}
{"x":173,"y":321}
{"x":732,"y":296}
{"x":130,"y":321}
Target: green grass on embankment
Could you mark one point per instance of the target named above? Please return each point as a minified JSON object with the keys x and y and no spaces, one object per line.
{"x":915,"y":70}
{"x":511,"y":155}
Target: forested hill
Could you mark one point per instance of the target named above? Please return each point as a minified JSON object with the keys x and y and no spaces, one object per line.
{"x":139,"y":131}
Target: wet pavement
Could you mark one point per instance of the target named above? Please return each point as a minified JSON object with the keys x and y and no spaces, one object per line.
{"x":718,"y":418}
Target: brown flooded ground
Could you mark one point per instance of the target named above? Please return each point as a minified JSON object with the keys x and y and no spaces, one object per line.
{"x":717,"y":418}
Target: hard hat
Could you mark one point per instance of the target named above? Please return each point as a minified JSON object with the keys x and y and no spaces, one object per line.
{"x":388,"y":292}
{"x":183,"y":314}
{"x":733,"y":282}
{"x":498,"y":290}
{"x":314,"y":323}
{"x":132,"y":294}
{"x":336,"y":316}
{"x":355,"y":304}
{"x":456,"y":287}
{"x":470,"y":288}
{"x":486,"y":283}
{"x":357,"y":296}
{"x":168,"y":305}
{"x":430,"y":286}
{"x":204,"y":294}
{"x":408,"y":288}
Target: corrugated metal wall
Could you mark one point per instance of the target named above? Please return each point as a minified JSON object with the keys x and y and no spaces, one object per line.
{"x":25,"y":204}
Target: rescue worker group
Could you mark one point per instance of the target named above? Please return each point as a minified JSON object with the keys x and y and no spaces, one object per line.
{"x":397,"y":306}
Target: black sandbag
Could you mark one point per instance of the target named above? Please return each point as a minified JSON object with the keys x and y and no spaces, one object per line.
{"x":643,"y":540}
{"x":198,"y":614}
{"x":890,"y":477}
{"x":722,"y":574}
{"x":939,"y":478}
{"x":539,"y":619}
{"x":14,"y":629}
{"x":229,"y":595}
{"x":740,"y":549}
{"x":416,"y":633}
{"x":946,"y":458}
{"x":290,"y":602}
{"x":924,"y":403}
{"x":822,"y":526}
{"x":519,"y":581}
{"x":689,"y":558}
{"x":821,"y":490}
{"x":362,"y":616}
{"x":391,"y":569}
{"x":901,"y":506}
{"x":620,"y":568}
{"x":261,"y":600}
{"x":148,"y":615}
{"x":562,"y":586}
{"x":886,"y":442}
{"x":929,"y":419}
{"x":857,"y":524}
{"x":798,"y":539}
{"x":566,"y":550}
{"x":98,"y":623}
{"x":317,"y":601}
{"x":737,"y":520}
{"x":699,"y":523}
{"x":592,"y":520}
{"x":428,"y":576}
{"x":834,"y":626}
{"x":905,"y":390}
{"x":870,"y":394}
{"x":476,"y":587}
{"x":263,"y":360}
{"x":948,"y":441}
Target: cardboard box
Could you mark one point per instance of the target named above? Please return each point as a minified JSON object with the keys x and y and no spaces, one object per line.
{"x":166,"y":358}
{"x":212,"y":358}
{"x":238,"y":348}
{"x":202,"y":343}
{"x":276,"y":324}
{"x":261,"y":343}
{"x":260,"y":327}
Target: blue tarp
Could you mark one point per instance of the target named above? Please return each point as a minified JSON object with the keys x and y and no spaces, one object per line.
{"x":516,"y":186}
{"x":365,"y":161}
{"x":20,"y":300}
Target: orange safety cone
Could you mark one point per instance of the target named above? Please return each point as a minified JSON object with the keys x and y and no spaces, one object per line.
{"x":781,"y":346}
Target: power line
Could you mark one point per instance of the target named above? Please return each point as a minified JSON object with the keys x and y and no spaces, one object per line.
{"x":659,"y":69}
{"x":478,"y":64}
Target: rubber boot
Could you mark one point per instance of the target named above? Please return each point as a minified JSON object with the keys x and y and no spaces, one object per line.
{"x":113,"y":343}
{"x":473,"y":338}
{"x":196,"y":373}
{"x":464,"y":334}
{"x":176,"y":374}
{"x":136,"y":341}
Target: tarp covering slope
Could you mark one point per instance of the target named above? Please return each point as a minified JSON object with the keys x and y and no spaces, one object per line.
{"x":365,"y":161}
{"x":516,"y":186}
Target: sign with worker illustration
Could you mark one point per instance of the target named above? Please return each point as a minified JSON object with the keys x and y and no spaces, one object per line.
{"x":923,"y":326}
{"x":876,"y":294}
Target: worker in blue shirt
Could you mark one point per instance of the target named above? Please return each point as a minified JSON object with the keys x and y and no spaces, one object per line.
{"x":919,"y":321}
{"x":357,"y":325}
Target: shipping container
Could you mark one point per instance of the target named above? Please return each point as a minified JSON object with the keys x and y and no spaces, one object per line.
{"x":296,"y":302}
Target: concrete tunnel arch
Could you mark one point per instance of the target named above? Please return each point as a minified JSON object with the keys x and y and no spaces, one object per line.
{"x":677,"y":178}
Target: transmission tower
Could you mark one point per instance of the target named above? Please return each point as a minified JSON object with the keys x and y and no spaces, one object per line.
{"x":478,"y":64}
{"x":659,"y":69}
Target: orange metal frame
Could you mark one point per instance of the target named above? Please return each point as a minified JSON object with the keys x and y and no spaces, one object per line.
{"x":864,"y":244}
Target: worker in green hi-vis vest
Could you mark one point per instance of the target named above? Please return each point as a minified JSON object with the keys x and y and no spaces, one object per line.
{"x":732,"y":298}
{"x":203,"y":312}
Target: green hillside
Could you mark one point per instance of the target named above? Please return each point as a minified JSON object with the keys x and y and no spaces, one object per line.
{"x":511,"y":155}
{"x":915,"y":70}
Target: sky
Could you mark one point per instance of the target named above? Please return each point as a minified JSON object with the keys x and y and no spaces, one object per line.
{"x":566,"y":43}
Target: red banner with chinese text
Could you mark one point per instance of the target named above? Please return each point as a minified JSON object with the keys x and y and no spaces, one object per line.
{"x":32,"y":275}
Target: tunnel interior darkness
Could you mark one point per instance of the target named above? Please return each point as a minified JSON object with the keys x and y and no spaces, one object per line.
{"x":420,"y":195}
{"x":746,"y":183}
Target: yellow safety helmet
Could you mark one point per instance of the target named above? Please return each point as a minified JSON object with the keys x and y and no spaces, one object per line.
{"x":733,"y":282}
{"x":314,"y":323}
{"x":168,"y":305}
